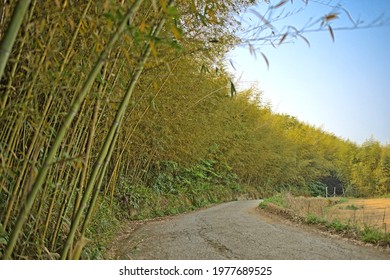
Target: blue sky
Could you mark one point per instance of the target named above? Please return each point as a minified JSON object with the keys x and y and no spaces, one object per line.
{"x":342,"y":86}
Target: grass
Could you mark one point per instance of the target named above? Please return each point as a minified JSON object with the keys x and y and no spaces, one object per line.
{"x":351,"y":207}
{"x":375,"y":236}
{"x":313,"y":219}
{"x":318,"y":211}
{"x":278,"y":200}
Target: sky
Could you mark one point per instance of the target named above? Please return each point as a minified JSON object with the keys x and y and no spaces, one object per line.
{"x":341,"y":86}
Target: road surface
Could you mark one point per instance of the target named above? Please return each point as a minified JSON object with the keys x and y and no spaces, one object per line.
{"x":234,"y":230}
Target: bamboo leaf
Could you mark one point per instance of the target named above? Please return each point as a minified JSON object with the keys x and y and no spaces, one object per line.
{"x":266,"y":22}
{"x":212,"y":16}
{"x":252,"y":50}
{"x":232,"y":64}
{"x":331,"y":16}
{"x":283,"y":38}
{"x":280,"y":4}
{"x":304,"y":39}
{"x":176,"y":32}
{"x":331,"y":32}
{"x":153,"y":49}
{"x":233,"y":90}
{"x":266,"y":59}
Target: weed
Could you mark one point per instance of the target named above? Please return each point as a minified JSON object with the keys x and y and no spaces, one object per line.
{"x":103,"y":226}
{"x":351,"y":207}
{"x":313,"y":219}
{"x":342,"y":200}
{"x":338,"y":226}
{"x":372,"y":235}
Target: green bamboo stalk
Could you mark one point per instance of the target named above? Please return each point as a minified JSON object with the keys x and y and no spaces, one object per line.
{"x":87,"y":155}
{"x":129,"y":135}
{"x":61,"y":133}
{"x":97,"y":189}
{"x":15,"y":66}
{"x":62,"y":213}
{"x":17,"y":127}
{"x":109,"y":139}
{"x":12,"y":31}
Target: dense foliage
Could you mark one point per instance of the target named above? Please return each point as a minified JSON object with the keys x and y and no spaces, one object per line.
{"x":127,"y":110}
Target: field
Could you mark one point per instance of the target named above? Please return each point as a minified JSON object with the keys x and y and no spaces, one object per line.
{"x":364,"y":212}
{"x":373,"y":213}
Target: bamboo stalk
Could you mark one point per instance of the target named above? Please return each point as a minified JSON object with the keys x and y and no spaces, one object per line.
{"x":61,"y":133}
{"x":129,"y":136}
{"x":97,"y":189}
{"x":87,"y":156}
{"x":109,"y":139}
{"x":17,"y":127}
{"x":11,"y":33}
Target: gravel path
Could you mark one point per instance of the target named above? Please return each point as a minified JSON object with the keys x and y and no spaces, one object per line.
{"x":234,"y":230}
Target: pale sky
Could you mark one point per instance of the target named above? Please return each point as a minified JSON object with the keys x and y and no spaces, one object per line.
{"x":343,"y":87}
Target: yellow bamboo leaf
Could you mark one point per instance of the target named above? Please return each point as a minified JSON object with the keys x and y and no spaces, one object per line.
{"x":142,"y":26}
{"x":127,"y":56}
{"x":330,"y":17}
{"x":153,"y":49}
{"x":71,"y":23}
{"x":99,"y":47}
{"x":106,"y":5}
{"x":155,"y":85}
{"x":175,"y":32}
{"x":212,"y":16}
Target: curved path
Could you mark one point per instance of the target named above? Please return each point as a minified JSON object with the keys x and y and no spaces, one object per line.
{"x":235,"y":230}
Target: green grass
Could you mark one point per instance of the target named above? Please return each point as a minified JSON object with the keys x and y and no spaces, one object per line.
{"x":374,"y":236}
{"x":337,"y":226}
{"x":314,"y":219}
{"x":351,"y":207}
{"x":278,"y":199}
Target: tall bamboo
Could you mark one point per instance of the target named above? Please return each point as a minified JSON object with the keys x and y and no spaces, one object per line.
{"x":40,"y":179}
{"x":12,"y":31}
{"x":110,"y":137}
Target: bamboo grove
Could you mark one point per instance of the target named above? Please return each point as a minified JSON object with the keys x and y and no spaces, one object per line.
{"x":126,"y":107}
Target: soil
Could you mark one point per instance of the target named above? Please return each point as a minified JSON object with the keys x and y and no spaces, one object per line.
{"x":234,"y":230}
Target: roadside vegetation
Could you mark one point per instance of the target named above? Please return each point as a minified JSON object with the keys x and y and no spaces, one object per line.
{"x":117,"y":110}
{"x":367,"y":220}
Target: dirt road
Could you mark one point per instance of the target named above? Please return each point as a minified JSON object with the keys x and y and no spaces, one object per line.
{"x":234,"y":230}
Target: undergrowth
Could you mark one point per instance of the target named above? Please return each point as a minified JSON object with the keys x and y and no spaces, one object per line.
{"x":170,"y":189}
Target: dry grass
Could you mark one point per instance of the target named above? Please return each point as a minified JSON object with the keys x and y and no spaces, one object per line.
{"x":364,"y":212}
{"x":373,"y":213}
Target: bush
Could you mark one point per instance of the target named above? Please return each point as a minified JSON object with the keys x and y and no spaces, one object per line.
{"x":317,"y":189}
